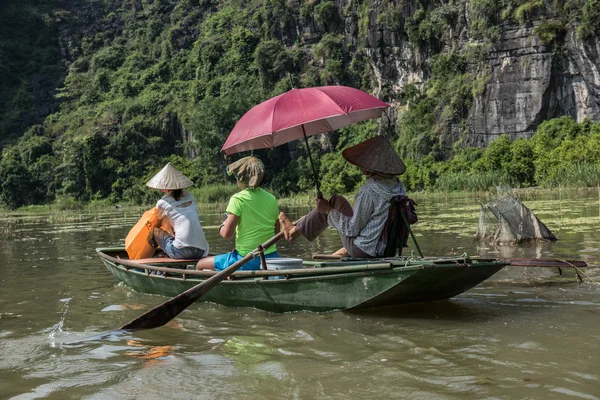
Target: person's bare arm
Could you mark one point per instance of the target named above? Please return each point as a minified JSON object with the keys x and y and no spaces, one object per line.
{"x":227,"y":229}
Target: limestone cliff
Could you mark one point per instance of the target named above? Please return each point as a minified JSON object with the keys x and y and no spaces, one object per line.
{"x":525,"y":76}
{"x":529,"y":81}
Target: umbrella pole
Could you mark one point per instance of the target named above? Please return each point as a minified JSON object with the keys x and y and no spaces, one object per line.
{"x":392,"y":126}
{"x":319,"y":194}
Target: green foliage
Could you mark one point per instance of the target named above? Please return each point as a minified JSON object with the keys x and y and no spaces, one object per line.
{"x":561,"y":143}
{"x":214,"y":193}
{"x":520,"y":10}
{"x":484,"y":19}
{"x":111,"y":57}
{"x":337,"y":175}
{"x":330,"y":51}
{"x":29,"y":61}
{"x":417,"y":130}
{"x":590,"y":19}
{"x":67,"y":203}
{"x":421,"y":174}
{"x":445,"y":98}
{"x":550,"y":32}
{"x":561,"y":153}
{"x":363,"y":20}
{"x":497,"y":155}
{"x":464,"y":159}
{"x":513,"y":161}
{"x":325,"y":14}
{"x":16,"y":181}
{"x":266,"y":55}
{"x":471,"y":181}
{"x":169,"y":82}
{"x":579,"y":175}
{"x":426,"y":27}
{"x":391,"y":17}
{"x":306,"y":10}
{"x":523,"y":11}
{"x":521,"y":168}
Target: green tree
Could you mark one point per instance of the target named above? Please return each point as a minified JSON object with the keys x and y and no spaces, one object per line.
{"x":16,"y":182}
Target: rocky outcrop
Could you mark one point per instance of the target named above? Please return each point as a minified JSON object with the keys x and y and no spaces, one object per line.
{"x":532,"y":82}
{"x":529,"y":82}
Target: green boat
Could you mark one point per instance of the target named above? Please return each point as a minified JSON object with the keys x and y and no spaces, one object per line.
{"x":317,"y":286}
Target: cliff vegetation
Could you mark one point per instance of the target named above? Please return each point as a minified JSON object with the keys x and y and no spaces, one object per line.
{"x":96,"y":95}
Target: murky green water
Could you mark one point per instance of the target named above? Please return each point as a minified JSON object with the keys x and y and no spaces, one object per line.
{"x":526,"y":333}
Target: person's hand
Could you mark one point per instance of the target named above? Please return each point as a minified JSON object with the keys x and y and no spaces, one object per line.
{"x":323,"y":205}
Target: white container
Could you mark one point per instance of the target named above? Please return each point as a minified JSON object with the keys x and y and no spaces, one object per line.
{"x":280,"y":263}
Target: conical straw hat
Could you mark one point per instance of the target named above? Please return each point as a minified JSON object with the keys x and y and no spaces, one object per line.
{"x":169,"y":178}
{"x":375,"y":155}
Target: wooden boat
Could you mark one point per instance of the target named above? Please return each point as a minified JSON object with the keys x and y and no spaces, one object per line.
{"x":319,"y":286}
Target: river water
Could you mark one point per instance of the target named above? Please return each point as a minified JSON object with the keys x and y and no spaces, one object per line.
{"x":525,"y":333}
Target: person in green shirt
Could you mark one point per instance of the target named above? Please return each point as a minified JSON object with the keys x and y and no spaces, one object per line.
{"x":252,"y":215}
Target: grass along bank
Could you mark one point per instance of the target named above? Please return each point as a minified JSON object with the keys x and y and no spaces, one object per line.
{"x":216,"y":197}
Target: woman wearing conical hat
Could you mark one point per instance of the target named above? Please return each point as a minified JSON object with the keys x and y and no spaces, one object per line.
{"x":360,"y":227}
{"x":179,"y":208}
{"x":252,"y":216}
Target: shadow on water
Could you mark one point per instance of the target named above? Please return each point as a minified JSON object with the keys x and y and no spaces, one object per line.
{"x":460,"y":310}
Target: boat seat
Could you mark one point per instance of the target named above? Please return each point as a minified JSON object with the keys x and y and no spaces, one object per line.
{"x":165,"y":260}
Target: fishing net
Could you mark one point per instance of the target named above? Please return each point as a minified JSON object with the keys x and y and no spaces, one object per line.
{"x":506,"y":220}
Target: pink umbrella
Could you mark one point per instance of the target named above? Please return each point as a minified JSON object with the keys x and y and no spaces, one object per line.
{"x":300,"y":113}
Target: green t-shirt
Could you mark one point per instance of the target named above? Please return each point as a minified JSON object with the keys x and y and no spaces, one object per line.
{"x":258,"y":212}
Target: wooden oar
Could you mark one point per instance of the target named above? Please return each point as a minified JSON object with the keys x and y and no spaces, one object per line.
{"x":168,"y":310}
{"x":544,"y":262}
{"x":518,"y":262}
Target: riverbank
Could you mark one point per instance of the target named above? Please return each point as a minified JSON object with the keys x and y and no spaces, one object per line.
{"x":216,"y":197}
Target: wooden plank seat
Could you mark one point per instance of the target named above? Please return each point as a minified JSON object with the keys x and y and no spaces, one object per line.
{"x":165,"y":260}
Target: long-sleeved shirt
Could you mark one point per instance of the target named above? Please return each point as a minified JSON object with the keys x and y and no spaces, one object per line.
{"x":371,"y":207}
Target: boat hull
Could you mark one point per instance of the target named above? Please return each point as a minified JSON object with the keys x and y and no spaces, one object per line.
{"x":355,"y":286}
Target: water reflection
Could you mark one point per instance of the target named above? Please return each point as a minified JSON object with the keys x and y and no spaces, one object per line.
{"x":527,"y":333}
{"x":152,"y":355}
{"x":470,"y":309}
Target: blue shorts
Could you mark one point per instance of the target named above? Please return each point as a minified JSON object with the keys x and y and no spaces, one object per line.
{"x":223,"y":261}
{"x":165,"y":241}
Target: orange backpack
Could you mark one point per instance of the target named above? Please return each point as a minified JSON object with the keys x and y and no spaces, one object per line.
{"x":136,"y":242}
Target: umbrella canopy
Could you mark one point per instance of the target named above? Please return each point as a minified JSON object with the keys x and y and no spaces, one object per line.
{"x":299,"y":113}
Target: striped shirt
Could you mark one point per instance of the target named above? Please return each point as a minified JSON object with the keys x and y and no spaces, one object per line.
{"x":371,"y":208}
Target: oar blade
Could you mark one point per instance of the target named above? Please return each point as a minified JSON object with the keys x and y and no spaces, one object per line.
{"x":158,"y":316}
{"x":168,"y":310}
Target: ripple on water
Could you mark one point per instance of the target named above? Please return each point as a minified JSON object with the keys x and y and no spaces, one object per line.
{"x":528,"y":346}
{"x":574,"y":393}
{"x":486,"y":343}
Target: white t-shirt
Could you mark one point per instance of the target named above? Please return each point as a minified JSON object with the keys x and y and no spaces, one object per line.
{"x":184,"y":218}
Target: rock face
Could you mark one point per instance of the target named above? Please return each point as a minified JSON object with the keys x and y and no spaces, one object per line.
{"x":529,"y":82}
